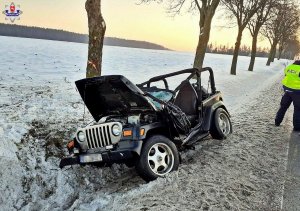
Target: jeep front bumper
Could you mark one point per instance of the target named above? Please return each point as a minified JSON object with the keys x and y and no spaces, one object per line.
{"x":104,"y":157}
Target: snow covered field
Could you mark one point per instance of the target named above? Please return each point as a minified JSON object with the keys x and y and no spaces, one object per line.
{"x":40,"y":109}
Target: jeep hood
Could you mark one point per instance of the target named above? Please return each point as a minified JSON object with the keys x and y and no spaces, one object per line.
{"x":112,"y":95}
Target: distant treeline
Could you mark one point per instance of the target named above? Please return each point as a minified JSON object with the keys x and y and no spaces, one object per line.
{"x":244,"y":50}
{"x":61,"y":35}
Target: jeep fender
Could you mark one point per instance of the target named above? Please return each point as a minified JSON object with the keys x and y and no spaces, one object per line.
{"x":208,"y":114}
{"x":136,"y":141}
{"x":154,"y":128}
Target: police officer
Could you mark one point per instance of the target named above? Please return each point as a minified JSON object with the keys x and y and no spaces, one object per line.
{"x":291,"y":86}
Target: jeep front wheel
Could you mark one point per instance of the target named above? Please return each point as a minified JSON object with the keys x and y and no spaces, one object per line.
{"x":159,"y":156}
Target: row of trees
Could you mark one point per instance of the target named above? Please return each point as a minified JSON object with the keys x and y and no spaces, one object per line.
{"x":293,"y":48}
{"x":244,"y":50}
{"x":281,"y":27}
{"x":277,"y":20}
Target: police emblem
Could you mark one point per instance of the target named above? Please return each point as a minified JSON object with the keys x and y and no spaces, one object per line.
{"x":12,"y":12}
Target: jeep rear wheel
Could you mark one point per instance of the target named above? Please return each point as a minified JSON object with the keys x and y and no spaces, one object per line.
{"x":221,"y":124}
{"x":159,"y":156}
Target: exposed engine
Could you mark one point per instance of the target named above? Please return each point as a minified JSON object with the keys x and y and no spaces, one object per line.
{"x":135,"y":119}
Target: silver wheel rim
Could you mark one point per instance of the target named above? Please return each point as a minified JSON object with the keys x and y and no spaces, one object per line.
{"x":224,"y":124}
{"x":160,"y":159}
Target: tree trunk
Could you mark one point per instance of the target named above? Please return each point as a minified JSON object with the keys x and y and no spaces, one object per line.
{"x":97,"y":29}
{"x":253,"y":51}
{"x":204,"y":35}
{"x":280,"y":52}
{"x":272,"y":52}
{"x":270,"y":56}
{"x":273,"y":55}
{"x":236,"y":52}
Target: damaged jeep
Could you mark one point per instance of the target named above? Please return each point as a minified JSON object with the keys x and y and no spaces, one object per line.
{"x":146,"y":126}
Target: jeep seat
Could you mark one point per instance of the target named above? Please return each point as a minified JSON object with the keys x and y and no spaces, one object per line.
{"x":186,"y":99}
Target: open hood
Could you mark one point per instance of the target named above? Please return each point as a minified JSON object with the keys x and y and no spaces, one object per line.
{"x":111,"y":95}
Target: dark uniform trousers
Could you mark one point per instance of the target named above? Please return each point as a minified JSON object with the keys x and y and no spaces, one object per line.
{"x":287,"y":99}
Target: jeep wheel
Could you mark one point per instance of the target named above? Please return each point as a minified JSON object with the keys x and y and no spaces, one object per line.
{"x":221,"y":125}
{"x":159,"y":156}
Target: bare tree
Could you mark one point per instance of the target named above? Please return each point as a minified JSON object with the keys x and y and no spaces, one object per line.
{"x":289,"y":29}
{"x":255,"y":24}
{"x":206,"y":10}
{"x":272,"y":33}
{"x":243,"y":11}
{"x":292,"y":48}
{"x":97,"y":29}
{"x":281,"y":26}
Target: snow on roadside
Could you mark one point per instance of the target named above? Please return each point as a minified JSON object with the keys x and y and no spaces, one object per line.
{"x":40,"y":109}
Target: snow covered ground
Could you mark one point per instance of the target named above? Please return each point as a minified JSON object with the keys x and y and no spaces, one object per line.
{"x":40,"y":109}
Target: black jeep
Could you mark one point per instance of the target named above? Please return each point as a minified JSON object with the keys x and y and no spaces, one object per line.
{"x":146,"y":126}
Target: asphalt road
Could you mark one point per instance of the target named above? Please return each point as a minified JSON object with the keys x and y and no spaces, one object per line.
{"x":291,"y":197}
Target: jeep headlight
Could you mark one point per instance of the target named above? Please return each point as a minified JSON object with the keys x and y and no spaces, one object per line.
{"x":116,"y":130}
{"x":81,"y":136}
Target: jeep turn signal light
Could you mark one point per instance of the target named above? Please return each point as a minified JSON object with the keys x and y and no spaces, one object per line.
{"x":71,"y":145}
{"x":127,"y":133}
{"x":142,"y":131}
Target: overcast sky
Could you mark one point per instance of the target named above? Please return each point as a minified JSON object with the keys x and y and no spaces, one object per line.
{"x":126,"y":19}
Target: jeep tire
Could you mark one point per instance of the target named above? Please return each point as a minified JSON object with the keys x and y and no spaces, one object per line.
{"x":159,"y":156}
{"x":221,"y":125}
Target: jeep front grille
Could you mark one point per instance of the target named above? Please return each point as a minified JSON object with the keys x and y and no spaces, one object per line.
{"x":98,"y":136}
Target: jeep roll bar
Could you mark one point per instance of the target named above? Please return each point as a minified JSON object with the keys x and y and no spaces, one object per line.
{"x":193,"y":71}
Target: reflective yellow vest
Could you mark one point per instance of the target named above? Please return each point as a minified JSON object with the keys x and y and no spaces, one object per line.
{"x":292,"y":77}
